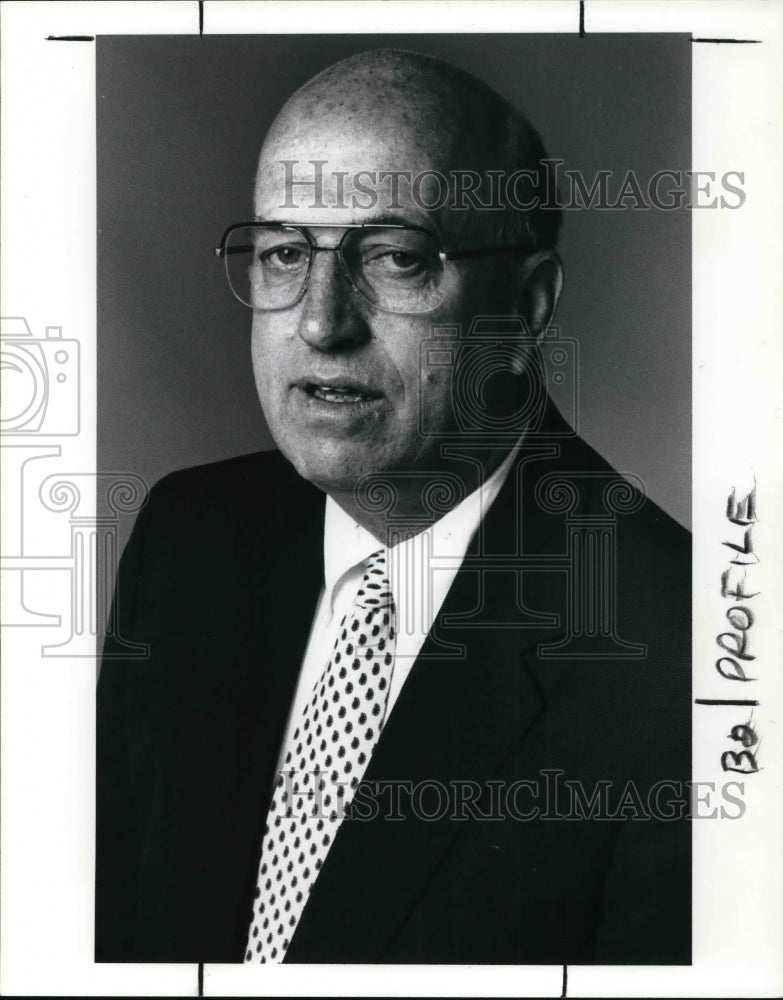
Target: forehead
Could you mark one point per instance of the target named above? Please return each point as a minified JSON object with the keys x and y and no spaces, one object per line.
{"x":345,"y":167}
{"x":346,"y":146}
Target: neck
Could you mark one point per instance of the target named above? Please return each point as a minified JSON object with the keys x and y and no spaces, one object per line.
{"x":394,"y":506}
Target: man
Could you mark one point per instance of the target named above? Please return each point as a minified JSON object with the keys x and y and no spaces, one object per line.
{"x":441,"y":714}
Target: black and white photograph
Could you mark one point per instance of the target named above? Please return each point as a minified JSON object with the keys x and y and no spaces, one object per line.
{"x":399,"y":301}
{"x":393,"y":543}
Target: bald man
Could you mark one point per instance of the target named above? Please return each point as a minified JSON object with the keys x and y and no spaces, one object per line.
{"x":418,"y":682}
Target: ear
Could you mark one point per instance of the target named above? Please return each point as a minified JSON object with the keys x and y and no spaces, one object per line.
{"x":538,"y":282}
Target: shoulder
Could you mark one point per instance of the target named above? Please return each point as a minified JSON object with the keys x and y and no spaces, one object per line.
{"x":619,"y":496}
{"x":575,"y":478}
{"x":641,"y":557}
{"x":238,"y":504}
{"x":624,"y":557}
{"x":623,"y":492}
{"x":206,"y":535}
{"x":645,"y":552}
{"x":624,"y":600}
{"x":264,"y":478}
{"x":262,"y":485}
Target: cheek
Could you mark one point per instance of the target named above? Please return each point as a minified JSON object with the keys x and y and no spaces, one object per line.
{"x":436,"y":388}
{"x":407,"y":376}
{"x":260,"y":369}
{"x":267,"y":358}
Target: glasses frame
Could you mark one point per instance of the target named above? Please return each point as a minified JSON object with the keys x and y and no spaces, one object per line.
{"x":223,"y":251}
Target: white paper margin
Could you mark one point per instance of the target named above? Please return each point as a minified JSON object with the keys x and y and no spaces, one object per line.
{"x":48,"y":277}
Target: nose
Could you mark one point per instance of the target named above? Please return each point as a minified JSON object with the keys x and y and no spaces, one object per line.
{"x":331,"y":314}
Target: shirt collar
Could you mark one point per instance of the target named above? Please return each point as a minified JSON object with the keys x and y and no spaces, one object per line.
{"x":346,"y":543}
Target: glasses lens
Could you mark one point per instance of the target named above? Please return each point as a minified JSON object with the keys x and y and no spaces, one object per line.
{"x":398,"y":270}
{"x":267,"y":267}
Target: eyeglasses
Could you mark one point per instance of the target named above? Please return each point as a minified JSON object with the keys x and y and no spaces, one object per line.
{"x":396,"y":268}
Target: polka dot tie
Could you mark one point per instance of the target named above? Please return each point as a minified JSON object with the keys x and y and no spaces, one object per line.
{"x":325,"y":759}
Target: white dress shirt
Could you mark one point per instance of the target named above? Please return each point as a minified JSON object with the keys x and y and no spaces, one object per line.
{"x":421,"y":571}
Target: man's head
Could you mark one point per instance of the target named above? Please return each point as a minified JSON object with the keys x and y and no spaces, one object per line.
{"x":339,"y":371}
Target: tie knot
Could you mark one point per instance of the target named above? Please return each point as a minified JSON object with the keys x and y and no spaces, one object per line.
{"x":375,"y":590}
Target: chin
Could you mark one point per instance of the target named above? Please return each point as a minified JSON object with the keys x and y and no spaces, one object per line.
{"x":332,"y":470}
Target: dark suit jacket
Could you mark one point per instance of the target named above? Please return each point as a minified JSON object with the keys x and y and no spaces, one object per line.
{"x":220,"y":580}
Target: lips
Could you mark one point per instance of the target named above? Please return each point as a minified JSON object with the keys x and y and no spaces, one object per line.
{"x":340,"y":391}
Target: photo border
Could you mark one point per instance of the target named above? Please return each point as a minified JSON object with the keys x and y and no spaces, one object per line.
{"x":48,"y":171}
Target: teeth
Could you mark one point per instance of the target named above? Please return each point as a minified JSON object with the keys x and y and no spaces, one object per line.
{"x":335,"y":394}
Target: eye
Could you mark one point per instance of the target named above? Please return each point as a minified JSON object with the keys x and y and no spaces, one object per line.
{"x":404,"y":259}
{"x":394,"y":260}
{"x":284,"y":256}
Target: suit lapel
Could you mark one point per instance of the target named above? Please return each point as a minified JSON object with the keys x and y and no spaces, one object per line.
{"x":228,"y":814}
{"x":287,"y":591}
{"x":288,"y":594}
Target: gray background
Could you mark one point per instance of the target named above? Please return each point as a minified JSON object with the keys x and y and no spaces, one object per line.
{"x":180,"y":121}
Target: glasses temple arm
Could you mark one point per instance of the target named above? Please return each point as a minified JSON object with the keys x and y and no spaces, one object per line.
{"x":485,"y":252}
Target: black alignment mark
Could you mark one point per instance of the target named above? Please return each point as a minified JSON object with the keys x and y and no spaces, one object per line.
{"x":201,"y":17}
{"x":581,"y":35}
{"x":70,"y":38}
{"x":729,"y":41}
{"x":201,"y":964}
{"x":565,"y":982}
{"x":726,"y":701}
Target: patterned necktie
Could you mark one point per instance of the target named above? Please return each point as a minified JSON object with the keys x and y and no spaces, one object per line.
{"x":326,"y":757}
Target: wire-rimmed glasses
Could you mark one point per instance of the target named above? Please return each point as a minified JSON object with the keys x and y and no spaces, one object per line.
{"x":397,"y":268}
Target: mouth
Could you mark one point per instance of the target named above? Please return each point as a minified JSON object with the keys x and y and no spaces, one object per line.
{"x":339,"y":392}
